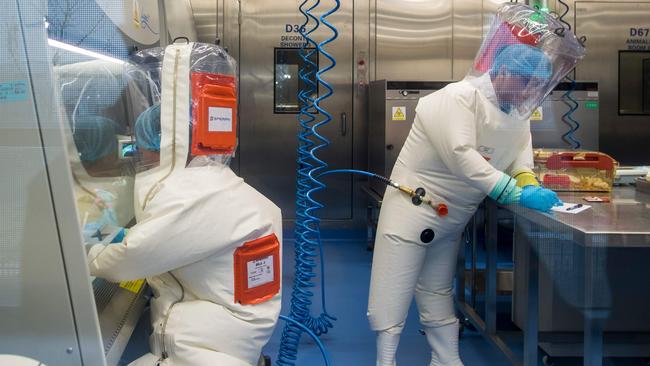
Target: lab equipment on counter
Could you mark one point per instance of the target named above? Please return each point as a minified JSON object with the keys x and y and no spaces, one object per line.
{"x":575,"y":171}
{"x":601,"y":199}
{"x":629,"y":174}
{"x":643,"y":184}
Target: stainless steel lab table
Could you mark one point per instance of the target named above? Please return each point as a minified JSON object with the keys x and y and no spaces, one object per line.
{"x":622,"y":223}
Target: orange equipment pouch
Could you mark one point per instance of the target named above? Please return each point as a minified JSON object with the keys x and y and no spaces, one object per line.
{"x":257,"y":270}
{"x":214,"y":114}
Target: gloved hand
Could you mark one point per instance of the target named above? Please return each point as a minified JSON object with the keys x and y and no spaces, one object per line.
{"x":539,"y":198}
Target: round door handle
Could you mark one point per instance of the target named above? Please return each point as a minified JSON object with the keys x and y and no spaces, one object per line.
{"x":389,"y":147}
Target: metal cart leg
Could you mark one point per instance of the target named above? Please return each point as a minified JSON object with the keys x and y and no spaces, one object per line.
{"x":491,"y":269}
{"x":594,"y":307}
{"x":531,"y":306}
{"x":460,"y":269}
{"x":370,"y":227}
{"x":593,"y":341}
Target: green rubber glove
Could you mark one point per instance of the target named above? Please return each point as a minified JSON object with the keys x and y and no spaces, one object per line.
{"x":506,"y":191}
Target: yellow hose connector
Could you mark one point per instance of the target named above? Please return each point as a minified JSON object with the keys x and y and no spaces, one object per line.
{"x":419,"y":196}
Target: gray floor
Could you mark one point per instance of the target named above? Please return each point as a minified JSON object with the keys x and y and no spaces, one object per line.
{"x":351,"y":342}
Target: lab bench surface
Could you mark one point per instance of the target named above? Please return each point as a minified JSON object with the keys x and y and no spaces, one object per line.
{"x":624,"y":222}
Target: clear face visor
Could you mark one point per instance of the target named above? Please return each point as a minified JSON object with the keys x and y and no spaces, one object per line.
{"x":97,"y":106}
{"x":526,"y":54}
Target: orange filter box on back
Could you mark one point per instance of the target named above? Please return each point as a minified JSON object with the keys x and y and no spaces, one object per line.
{"x":214,"y":113}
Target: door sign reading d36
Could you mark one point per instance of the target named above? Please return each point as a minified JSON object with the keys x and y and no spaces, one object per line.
{"x":295,"y":28}
{"x":399,"y":113}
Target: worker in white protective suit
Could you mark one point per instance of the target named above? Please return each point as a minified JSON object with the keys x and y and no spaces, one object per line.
{"x":208,"y":244}
{"x":468,"y":140}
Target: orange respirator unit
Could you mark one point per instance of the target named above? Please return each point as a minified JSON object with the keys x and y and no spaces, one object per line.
{"x":214,"y":114}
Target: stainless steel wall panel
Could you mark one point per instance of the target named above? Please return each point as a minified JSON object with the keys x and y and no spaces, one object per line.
{"x":467,"y":33}
{"x":179,"y":19}
{"x":372,"y":33}
{"x":607,"y":28}
{"x":377,"y":131}
{"x":489,"y":9}
{"x":221,"y":20}
{"x":230,"y":41}
{"x":205,"y":19}
{"x":414,"y":39}
{"x":231,"y":27}
{"x":362,"y":76}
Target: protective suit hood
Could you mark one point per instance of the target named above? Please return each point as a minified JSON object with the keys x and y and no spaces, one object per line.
{"x":526,"y":53}
{"x":207,"y":136}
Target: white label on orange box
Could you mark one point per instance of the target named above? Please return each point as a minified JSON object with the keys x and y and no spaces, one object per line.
{"x":260,"y":272}
{"x":220,"y":119}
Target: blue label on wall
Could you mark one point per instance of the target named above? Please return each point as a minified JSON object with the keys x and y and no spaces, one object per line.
{"x":13,"y":91}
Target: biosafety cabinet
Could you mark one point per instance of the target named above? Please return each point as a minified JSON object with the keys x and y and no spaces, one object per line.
{"x":58,"y":100}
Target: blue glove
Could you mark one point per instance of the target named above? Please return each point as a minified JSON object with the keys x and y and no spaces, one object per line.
{"x":119,"y":237}
{"x":506,"y":191}
{"x":539,"y":198}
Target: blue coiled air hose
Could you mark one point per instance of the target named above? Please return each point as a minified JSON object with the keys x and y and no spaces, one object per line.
{"x":307,"y":231}
{"x":567,"y":118}
{"x":355,"y":171}
{"x":564,"y":13}
{"x":567,"y":98}
{"x":320,"y":345}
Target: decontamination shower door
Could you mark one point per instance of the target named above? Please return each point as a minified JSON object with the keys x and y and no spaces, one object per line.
{"x":269,"y":64}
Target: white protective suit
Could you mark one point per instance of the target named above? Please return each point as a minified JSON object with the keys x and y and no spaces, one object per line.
{"x":466,"y":142}
{"x":190,"y":221}
{"x":457,"y":149}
